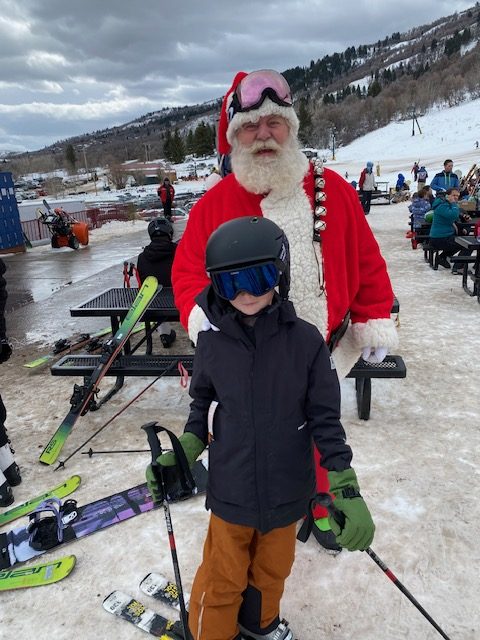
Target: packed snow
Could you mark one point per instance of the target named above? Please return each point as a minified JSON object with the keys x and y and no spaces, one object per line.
{"x":416,"y":458}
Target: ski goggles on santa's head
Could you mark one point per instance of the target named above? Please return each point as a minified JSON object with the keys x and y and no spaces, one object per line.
{"x":258,"y":85}
{"x":256,"y":280}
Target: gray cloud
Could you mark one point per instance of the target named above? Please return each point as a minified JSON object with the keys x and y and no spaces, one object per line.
{"x":72,"y":67}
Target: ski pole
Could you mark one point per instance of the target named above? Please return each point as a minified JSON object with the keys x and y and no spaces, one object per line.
{"x":91,"y":452}
{"x":62,"y":463}
{"x":152,"y":429}
{"x":325,"y":500}
{"x":126,"y":275}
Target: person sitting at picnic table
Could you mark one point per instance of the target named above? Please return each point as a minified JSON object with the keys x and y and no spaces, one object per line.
{"x":419,"y":207}
{"x":443,"y":230}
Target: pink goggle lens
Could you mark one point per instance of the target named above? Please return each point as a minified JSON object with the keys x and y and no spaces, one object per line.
{"x":251,"y":89}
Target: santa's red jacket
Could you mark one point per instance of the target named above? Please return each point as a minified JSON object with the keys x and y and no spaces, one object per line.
{"x":345,"y":272}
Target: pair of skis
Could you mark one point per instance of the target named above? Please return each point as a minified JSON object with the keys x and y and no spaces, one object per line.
{"x":69,"y":345}
{"x":124,"y":606}
{"x":111,"y":350}
{"x":47,"y":572}
{"x":89,"y":519}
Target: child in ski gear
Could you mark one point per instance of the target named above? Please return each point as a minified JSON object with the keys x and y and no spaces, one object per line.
{"x":9,"y":471}
{"x":156,"y":259}
{"x":263,"y":389}
{"x":342,"y":274}
{"x":422,"y":176}
{"x":166,"y":193}
{"x":366,"y":184}
{"x":446,"y":179}
{"x":419,"y":207}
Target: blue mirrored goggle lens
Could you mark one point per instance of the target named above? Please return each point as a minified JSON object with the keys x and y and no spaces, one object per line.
{"x":256,"y":280}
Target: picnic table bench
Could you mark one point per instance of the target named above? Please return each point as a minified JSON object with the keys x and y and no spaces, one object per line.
{"x":115,"y":304}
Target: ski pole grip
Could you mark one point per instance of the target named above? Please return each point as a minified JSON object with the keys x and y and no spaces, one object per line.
{"x":152,"y":429}
{"x":325,"y":500}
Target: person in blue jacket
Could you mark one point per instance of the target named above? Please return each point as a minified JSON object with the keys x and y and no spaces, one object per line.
{"x":400,"y":182}
{"x":446,"y":179}
{"x":442,"y":232}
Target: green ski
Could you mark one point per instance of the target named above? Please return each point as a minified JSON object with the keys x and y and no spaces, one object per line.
{"x":60,"y":491}
{"x":37,"y":575}
{"x":112,"y":349}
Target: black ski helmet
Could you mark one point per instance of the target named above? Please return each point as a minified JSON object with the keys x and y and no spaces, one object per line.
{"x":160,"y":226}
{"x":246,"y":242}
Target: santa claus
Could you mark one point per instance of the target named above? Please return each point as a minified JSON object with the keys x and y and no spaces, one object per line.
{"x":339,"y":279}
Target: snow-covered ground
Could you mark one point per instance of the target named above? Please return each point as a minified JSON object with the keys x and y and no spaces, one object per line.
{"x":417,"y":459}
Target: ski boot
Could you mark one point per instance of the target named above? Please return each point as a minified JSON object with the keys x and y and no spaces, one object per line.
{"x":168,"y":339}
{"x":282,"y":632}
{"x":6,"y":494}
{"x":8,"y":466}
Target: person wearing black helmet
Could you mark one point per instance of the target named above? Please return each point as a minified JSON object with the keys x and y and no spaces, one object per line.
{"x":259,"y":418}
{"x":156,"y":260}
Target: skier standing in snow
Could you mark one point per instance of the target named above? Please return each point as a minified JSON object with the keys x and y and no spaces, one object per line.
{"x":166,"y":193}
{"x":366,"y":184}
{"x":422,"y":176}
{"x":156,"y":259}
{"x":9,"y":471}
{"x":281,"y":394}
{"x":337,"y":270}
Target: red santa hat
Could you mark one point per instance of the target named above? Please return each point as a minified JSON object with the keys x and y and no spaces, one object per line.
{"x":228,"y":125}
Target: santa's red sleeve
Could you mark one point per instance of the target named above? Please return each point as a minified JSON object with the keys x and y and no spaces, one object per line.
{"x":188,"y":271}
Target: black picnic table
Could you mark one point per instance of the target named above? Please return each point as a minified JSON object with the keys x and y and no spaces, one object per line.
{"x":115,"y":303}
{"x":472,"y":243}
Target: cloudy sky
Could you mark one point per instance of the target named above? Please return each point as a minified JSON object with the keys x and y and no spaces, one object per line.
{"x":74,"y":66}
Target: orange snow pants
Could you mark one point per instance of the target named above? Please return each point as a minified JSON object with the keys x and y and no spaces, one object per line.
{"x":241,"y":579}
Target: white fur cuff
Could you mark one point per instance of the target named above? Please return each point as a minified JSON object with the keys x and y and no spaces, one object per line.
{"x":195,"y":323}
{"x":375,"y":333}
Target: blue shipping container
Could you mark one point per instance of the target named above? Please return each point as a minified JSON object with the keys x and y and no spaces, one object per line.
{"x":11,"y":236}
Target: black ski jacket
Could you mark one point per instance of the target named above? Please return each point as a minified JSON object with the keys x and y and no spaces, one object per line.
{"x":157,"y":259}
{"x":276,"y":390}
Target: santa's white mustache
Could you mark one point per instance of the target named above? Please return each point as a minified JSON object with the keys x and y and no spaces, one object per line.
{"x":270,"y":145}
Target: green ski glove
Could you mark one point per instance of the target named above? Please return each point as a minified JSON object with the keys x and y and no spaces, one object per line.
{"x":192,"y":446}
{"x":357,"y":533}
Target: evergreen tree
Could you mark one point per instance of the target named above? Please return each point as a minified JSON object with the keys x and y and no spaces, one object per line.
{"x":177,"y":148}
{"x":190,"y":144}
{"x":203,"y":140}
{"x":70,"y":157}
{"x":305,"y":123}
{"x":167,"y":145}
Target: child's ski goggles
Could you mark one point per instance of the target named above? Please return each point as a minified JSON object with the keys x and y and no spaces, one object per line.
{"x":256,"y":280}
{"x":258,"y":85}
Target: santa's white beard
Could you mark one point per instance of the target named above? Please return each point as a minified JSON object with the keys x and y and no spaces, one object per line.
{"x":259,"y":173}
